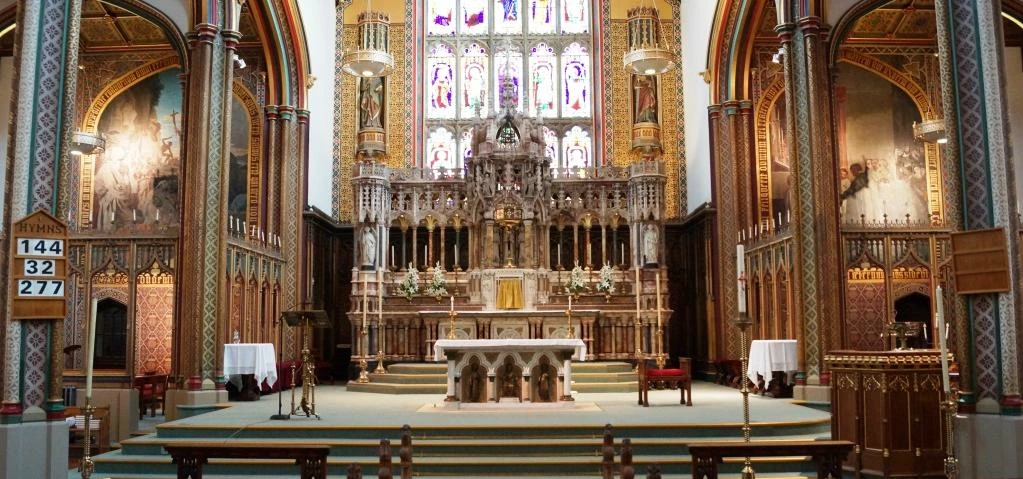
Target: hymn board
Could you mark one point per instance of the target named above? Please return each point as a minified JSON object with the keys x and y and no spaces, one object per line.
{"x":39,"y":267}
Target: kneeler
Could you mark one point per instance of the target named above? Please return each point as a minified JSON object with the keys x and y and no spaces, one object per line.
{"x":681,"y":376}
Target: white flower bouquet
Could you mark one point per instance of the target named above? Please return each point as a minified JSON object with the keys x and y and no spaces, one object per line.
{"x":576,"y":283}
{"x":438,"y":285}
{"x":410,"y":285}
{"x":607,"y":279}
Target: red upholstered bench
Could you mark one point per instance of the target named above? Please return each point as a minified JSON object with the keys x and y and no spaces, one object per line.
{"x":682,"y":376}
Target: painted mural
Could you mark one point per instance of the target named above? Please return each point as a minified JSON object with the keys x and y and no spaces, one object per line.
{"x":882,"y":171}
{"x":238,"y":168}
{"x":781,"y":167}
{"x":136,"y":179}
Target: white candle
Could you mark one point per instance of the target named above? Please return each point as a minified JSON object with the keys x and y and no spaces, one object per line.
{"x":158,"y":215}
{"x":623,"y":254}
{"x":657,"y":285}
{"x":559,"y":254}
{"x":380,"y":296}
{"x":940,"y":320}
{"x":456,"y":254}
{"x":365,"y":300}
{"x":788,"y":216}
{"x":569,"y":302}
{"x":638,"y":288}
{"x":392,"y":256}
{"x":740,"y":267}
{"x":452,"y":302}
{"x":91,"y":349}
{"x":134,"y":215}
{"x":426,"y":259}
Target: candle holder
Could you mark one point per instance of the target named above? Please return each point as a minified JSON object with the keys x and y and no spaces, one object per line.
{"x":949,"y":407}
{"x":87,"y":466}
{"x":571,"y":329}
{"x":451,"y":323}
{"x":380,"y":363}
{"x":363,"y":364}
{"x":743,"y":322}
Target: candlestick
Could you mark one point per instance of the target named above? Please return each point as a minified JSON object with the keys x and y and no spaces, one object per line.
{"x":365,"y":303}
{"x":392,"y":256}
{"x":452,"y":302}
{"x":91,"y":349}
{"x":569,"y":302}
{"x":940,"y":317}
{"x":380,"y":296}
{"x":740,"y":267}
{"x":623,"y":254}
{"x":559,"y":255}
{"x":426,"y":260}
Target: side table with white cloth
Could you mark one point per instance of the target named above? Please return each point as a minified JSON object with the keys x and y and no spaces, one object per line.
{"x":256,"y":359}
{"x":767,"y":356}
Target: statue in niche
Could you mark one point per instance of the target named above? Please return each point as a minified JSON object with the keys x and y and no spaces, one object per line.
{"x":474,"y":375}
{"x":546,"y":377}
{"x":645,"y":100}
{"x":510,"y":378}
{"x":369,"y":247}
{"x":371,"y":100}
{"x":650,"y":244}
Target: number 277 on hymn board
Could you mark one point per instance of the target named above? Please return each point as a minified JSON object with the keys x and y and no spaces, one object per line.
{"x":39,"y":268}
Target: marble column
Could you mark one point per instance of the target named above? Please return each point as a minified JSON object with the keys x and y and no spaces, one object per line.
{"x":970,"y":41}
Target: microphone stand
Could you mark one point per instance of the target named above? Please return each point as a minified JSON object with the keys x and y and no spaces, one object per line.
{"x":280,"y":416}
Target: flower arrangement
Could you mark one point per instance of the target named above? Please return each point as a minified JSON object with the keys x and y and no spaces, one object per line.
{"x":576,"y":283}
{"x":410,"y":285}
{"x":437,"y":286}
{"x":607,"y":279}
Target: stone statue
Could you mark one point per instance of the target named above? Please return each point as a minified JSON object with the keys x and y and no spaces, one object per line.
{"x":650,"y":244}
{"x":369,"y":247}
{"x":235,"y":337}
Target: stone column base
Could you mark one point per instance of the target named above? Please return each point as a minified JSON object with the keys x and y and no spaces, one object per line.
{"x":812,"y":393}
{"x":988,"y":446}
{"x":34,"y":449}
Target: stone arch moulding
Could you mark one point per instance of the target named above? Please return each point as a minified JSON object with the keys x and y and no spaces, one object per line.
{"x":762,"y":113}
{"x":255,"y":173}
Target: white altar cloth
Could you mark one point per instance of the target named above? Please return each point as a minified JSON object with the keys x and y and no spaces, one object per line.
{"x":766,"y":355}
{"x":257,"y":359}
{"x":509,"y":345}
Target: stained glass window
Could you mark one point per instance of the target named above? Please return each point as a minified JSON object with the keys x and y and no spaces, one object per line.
{"x":508,"y":63}
{"x":507,"y":16}
{"x":440,"y":17}
{"x":472,"y":46}
{"x":576,"y":147}
{"x":550,"y":138}
{"x":575,"y":73}
{"x":441,"y":76}
{"x":474,"y":17}
{"x":574,"y":16}
{"x":474,"y":79}
{"x":542,"y":16}
{"x":543,"y":86}
{"x":441,"y":150}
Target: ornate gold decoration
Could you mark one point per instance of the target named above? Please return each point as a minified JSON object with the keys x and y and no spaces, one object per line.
{"x":372,"y":57}
{"x":646,"y":55}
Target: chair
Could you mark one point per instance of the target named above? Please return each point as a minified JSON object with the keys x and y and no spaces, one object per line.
{"x":152,"y":390}
{"x":682,"y":376}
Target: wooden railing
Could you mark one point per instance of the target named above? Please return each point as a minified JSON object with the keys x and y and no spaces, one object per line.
{"x":828,"y":455}
{"x":190,"y":458}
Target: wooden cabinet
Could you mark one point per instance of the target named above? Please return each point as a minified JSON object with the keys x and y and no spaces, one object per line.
{"x":889,"y":404}
{"x":99,"y":430}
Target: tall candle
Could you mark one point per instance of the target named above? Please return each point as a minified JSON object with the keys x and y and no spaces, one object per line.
{"x":623,"y":254}
{"x":392,"y":256}
{"x":657,"y":284}
{"x":426,"y":260}
{"x":380,"y":296}
{"x":740,"y":267}
{"x":942,"y":347}
{"x":91,"y":349}
{"x":365,"y":300}
{"x":452,"y":302}
{"x":559,"y":254}
{"x":638,"y":288}
{"x":569,"y":302}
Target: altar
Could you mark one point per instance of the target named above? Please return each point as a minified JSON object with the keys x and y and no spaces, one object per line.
{"x":495,"y":370}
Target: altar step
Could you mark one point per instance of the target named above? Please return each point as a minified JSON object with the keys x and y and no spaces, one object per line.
{"x":452,"y":452}
{"x":431,"y":378}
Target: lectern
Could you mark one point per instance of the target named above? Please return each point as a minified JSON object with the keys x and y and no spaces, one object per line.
{"x":307,"y":320}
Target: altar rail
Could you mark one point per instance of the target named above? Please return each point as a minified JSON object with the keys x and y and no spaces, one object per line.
{"x":828,"y":455}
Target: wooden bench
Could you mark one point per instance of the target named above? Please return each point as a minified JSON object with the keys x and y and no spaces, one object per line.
{"x":828,"y":455}
{"x":190,"y":458}
{"x":682,"y":376}
{"x":99,"y":429}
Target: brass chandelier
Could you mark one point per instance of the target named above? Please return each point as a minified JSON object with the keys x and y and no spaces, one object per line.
{"x":646,"y":55}
{"x":371,"y":58}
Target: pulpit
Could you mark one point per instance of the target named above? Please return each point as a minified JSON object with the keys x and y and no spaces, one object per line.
{"x":889,"y":404}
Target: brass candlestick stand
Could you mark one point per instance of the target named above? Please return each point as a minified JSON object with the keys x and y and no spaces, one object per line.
{"x":451,"y":324}
{"x":949,"y":407}
{"x":571,"y":329}
{"x":660,"y":358}
{"x":363,"y":365}
{"x":380,"y":363}
{"x":743,"y":322}
{"x":87,"y":466}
